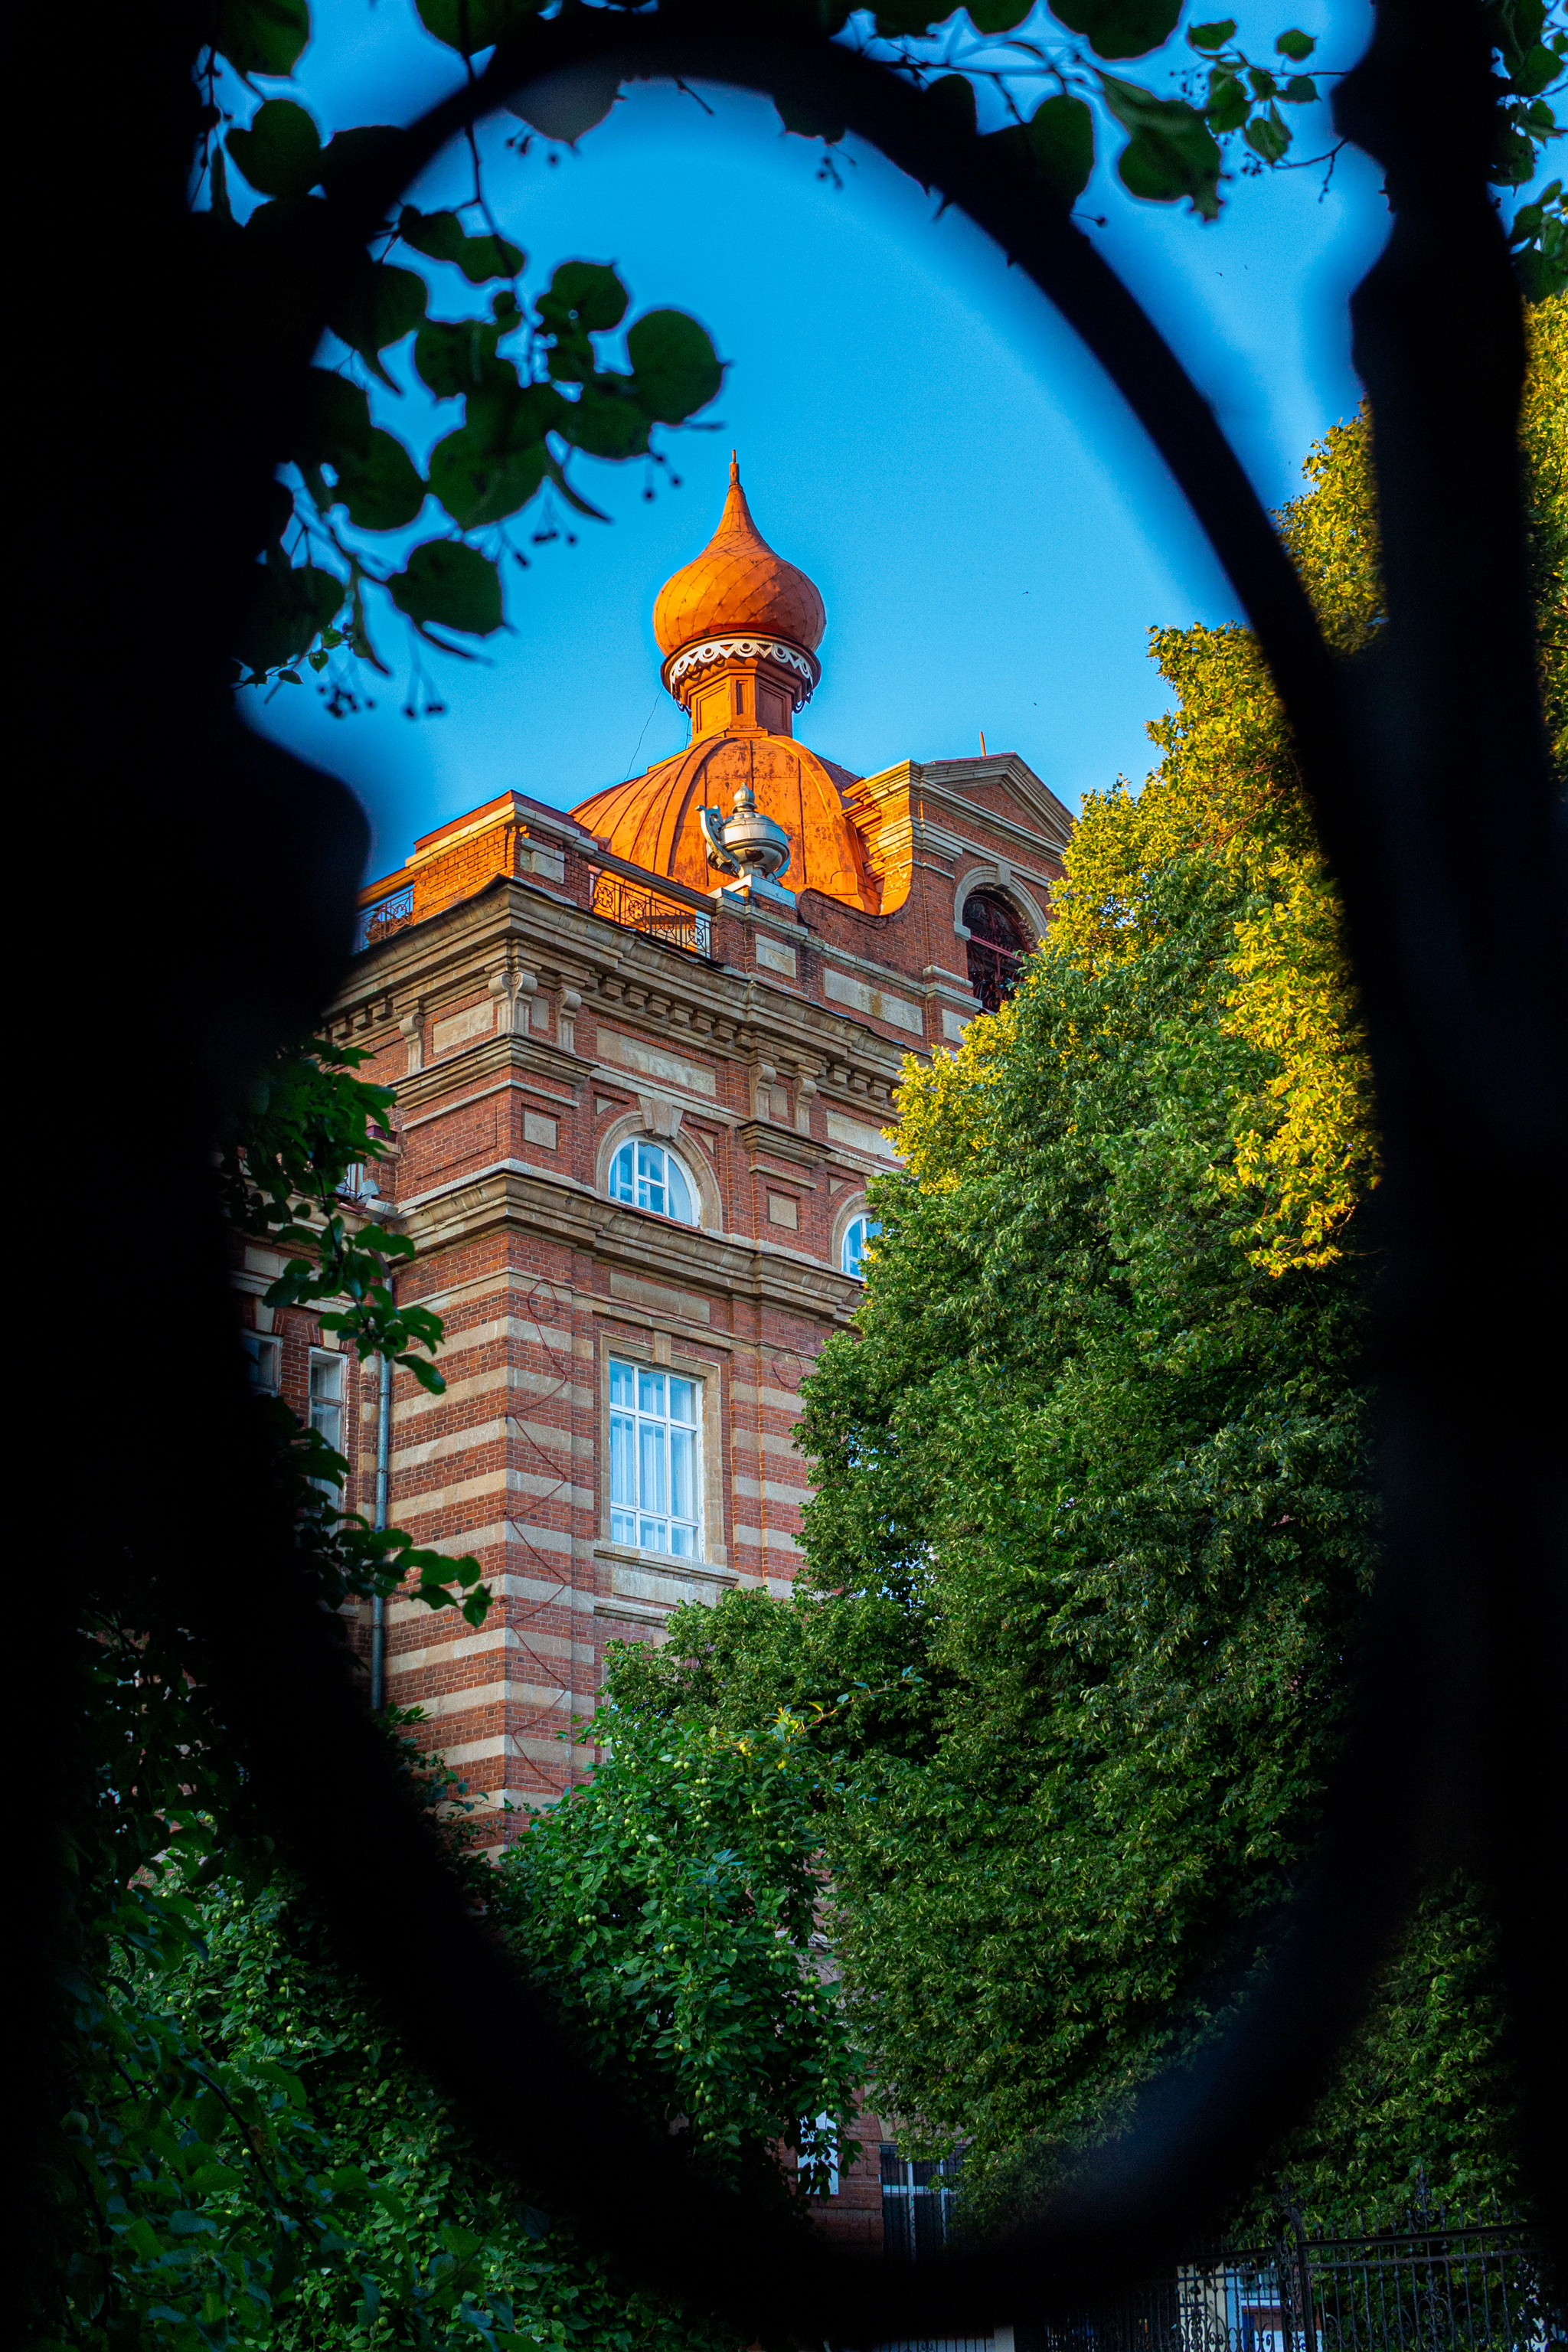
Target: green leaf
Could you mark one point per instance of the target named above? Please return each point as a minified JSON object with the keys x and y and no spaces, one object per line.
{"x":1061,"y":140}
{"x":574,"y":498}
{"x":469,"y":26}
{"x":451,"y":585}
{"x":380,"y":488}
{"x":443,"y":238}
{"x":290,"y":606}
{"x":564,"y":105}
{"x":332,"y":422}
{"x":997,"y":16}
{"x":1228,"y":104}
{"x":349,"y":153}
{"x":606,"y":421}
{"x":456,"y":355}
{"x":1537,"y":70}
{"x":1120,"y":28}
{"x":1172,"y":153}
{"x":1300,"y":90}
{"x":1297,"y":47}
{"x":479,"y":484}
{"x":378,"y":308}
{"x":190,"y":2225}
{"x":1267,"y":135}
{"x":509,"y":415}
{"x":676,"y":370}
{"x":280,"y":153}
{"x":262,"y":37}
{"x":1513,"y":158}
{"x":1211,"y":37}
{"x":585,"y":294}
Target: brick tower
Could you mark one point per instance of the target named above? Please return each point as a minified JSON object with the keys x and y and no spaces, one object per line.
{"x":645,"y":1055}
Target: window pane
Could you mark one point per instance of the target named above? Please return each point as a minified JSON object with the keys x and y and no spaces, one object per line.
{"x":623,"y":1527}
{"x":650,"y":1177}
{"x":622,"y":1461}
{"x":650,"y":1392}
{"x":683,"y":1399}
{"x":622,"y":1187}
{"x":861,"y":1231}
{"x":682,"y":1475}
{"x":679,"y":1193}
{"x":623,"y":1382}
{"x":327,"y":1376}
{"x":930,"y":2221}
{"x":654,"y":1535}
{"x":653,"y":1491}
{"x":682,"y":1539}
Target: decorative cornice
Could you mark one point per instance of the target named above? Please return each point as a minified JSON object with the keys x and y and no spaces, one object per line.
{"x":708,"y":650}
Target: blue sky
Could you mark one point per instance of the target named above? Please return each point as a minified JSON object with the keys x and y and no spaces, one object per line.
{"x":991,"y":535}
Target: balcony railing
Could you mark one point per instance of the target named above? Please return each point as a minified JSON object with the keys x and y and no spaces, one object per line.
{"x":379,"y":920}
{"x":639,"y":909}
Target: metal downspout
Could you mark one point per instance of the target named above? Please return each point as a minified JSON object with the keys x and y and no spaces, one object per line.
{"x":378,"y":1605}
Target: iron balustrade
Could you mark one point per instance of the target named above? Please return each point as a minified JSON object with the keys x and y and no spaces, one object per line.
{"x":378,"y":921}
{"x":638,"y":910}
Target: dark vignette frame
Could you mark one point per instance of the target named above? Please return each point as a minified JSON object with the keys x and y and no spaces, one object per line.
{"x":230,"y":920}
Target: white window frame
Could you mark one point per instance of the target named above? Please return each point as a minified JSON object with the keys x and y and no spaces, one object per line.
{"x":637,"y":1146}
{"x":866,"y":1227}
{"x":632,"y":1518}
{"x":328,"y":1400}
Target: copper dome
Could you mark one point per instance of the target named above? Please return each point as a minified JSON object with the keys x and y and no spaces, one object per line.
{"x":737,"y":584}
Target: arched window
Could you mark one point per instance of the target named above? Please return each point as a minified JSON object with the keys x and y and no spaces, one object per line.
{"x":647,"y":1176}
{"x":996,"y":948}
{"x":852,"y":1257}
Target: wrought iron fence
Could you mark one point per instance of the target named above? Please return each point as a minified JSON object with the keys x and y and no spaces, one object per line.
{"x":637,"y":909}
{"x":378,"y":921}
{"x":1470,"y":2288}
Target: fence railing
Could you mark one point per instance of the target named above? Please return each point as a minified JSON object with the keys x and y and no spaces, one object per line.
{"x":384,"y":916}
{"x":639,"y":909}
{"x":1466,"y":2289}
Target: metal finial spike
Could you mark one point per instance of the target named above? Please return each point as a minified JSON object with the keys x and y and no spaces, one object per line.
{"x":734,"y":466}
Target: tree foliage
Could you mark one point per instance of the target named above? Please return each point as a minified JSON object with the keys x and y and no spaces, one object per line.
{"x":247,"y":2155}
{"x":265,"y":2164}
{"x":536,"y":383}
{"x":156,"y":2131}
{"x":671,"y":1906}
{"x":1093,"y":1523}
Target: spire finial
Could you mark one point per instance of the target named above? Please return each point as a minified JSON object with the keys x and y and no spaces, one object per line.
{"x":734,"y":466}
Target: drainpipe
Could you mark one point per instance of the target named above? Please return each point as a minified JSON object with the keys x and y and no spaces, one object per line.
{"x":378,"y":1605}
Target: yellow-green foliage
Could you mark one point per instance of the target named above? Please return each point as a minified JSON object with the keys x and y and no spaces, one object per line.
{"x":1226,"y":791}
{"x":1543,"y":431}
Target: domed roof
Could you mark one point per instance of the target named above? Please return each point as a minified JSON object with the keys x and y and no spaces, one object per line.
{"x":736,"y":584}
{"x":652,"y":820}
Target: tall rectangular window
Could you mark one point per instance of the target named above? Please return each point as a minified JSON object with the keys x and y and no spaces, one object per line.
{"x":655,"y":1497}
{"x":327,"y":1407}
{"x":917,"y":2203}
{"x":266,"y":1357}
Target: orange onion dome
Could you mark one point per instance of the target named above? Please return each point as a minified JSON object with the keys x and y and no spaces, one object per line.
{"x":737,"y":586}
